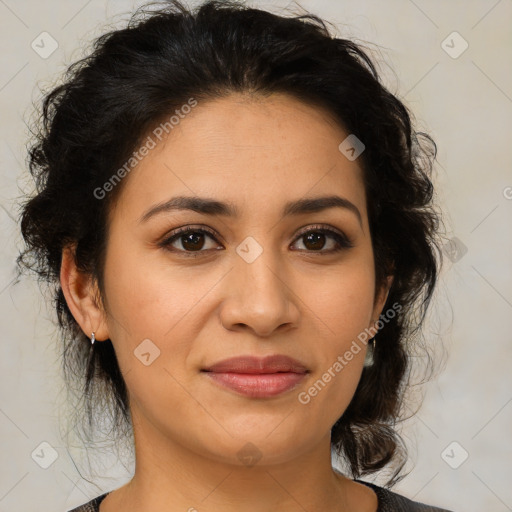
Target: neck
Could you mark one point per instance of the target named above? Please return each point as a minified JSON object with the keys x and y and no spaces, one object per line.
{"x":171,"y":477}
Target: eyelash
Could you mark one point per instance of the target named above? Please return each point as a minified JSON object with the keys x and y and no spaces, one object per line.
{"x":343,"y":242}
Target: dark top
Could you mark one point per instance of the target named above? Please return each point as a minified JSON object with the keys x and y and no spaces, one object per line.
{"x":388,"y":501}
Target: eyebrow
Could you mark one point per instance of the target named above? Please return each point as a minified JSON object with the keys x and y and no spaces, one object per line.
{"x":213,"y":207}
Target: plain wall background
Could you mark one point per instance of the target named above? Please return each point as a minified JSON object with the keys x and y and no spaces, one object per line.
{"x":465,"y":103}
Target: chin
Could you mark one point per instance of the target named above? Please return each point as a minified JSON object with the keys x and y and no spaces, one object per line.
{"x":269,"y":443}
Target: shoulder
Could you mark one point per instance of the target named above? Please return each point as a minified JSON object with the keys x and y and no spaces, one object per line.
{"x":390,"y":501}
{"x":90,"y":506}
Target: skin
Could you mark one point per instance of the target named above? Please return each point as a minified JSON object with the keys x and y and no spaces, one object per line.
{"x":258,"y":153}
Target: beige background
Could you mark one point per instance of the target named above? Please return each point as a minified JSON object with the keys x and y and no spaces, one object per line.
{"x":464,"y":102}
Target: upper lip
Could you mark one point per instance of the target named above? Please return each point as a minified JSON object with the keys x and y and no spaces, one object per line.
{"x":251,"y":364}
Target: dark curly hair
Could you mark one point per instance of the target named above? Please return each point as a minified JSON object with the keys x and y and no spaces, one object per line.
{"x":138,"y":75}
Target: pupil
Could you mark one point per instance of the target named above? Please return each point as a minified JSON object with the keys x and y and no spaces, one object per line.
{"x":192,"y":238}
{"x":317,"y":240}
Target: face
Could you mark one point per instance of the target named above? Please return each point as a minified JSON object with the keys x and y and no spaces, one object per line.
{"x":256,"y":282}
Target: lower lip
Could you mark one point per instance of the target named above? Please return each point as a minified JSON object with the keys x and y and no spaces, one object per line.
{"x":260,"y":385}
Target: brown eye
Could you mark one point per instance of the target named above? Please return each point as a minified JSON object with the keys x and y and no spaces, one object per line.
{"x":193,"y":241}
{"x":190,"y":239}
{"x":315,"y":240}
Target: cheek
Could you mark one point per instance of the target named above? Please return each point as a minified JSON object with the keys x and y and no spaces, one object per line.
{"x":343,"y":300}
{"x":341,"y":311}
{"x":139,"y":294}
{"x":149,"y":299}
{"x":151,"y":327}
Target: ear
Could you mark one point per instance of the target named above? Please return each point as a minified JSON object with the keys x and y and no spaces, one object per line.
{"x":380,"y":301}
{"x":82,"y":296}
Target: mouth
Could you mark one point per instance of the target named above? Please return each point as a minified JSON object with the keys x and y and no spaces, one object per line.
{"x":253,"y":365}
{"x":257,"y":385}
{"x":257,"y":377}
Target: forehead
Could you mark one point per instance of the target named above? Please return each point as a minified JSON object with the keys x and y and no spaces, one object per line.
{"x":252,"y":151}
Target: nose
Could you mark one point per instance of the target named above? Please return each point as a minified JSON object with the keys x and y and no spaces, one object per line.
{"x":259,"y":297}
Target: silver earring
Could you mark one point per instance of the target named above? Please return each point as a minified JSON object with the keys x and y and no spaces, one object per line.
{"x":93,"y":339}
{"x":368,"y":360}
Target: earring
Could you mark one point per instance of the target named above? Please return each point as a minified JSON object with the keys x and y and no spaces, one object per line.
{"x":368,"y":360}
{"x":93,"y":339}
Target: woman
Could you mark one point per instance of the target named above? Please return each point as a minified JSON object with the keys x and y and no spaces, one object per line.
{"x":238,"y":218}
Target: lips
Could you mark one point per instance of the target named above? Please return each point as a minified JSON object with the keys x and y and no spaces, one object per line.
{"x":257,"y":377}
{"x":256,"y":365}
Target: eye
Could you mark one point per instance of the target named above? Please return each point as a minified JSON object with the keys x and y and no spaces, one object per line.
{"x":191,"y":240}
{"x":316,"y":237}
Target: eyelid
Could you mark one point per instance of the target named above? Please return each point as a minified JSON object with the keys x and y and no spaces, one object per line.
{"x":344,"y":241}
{"x":320,"y":227}
{"x":175,"y":234}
